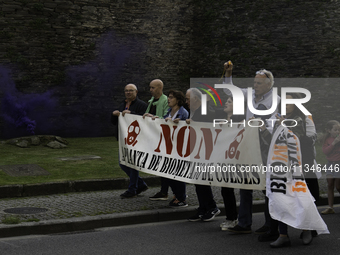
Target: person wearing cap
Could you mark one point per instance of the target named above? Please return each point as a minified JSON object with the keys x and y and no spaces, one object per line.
{"x":262,"y":99}
{"x":130,"y":105}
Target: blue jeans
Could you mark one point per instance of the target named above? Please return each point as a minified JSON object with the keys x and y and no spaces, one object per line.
{"x":246,"y":208}
{"x":135,"y":181}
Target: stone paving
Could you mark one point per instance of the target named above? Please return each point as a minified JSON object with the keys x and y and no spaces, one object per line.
{"x":70,"y":205}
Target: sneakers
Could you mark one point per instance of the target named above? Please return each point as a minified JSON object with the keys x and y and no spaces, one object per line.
{"x":177,"y":203}
{"x":159,"y":197}
{"x":141,"y":189}
{"x":240,"y":230}
{"x":127,"y":194}
{"x":282,"y":241}
{"x":228,"y":224}
{"x":210,"y":215}
{"x":329,"y":210}
{"x":262,"y":230}
{"x":196,"y":217}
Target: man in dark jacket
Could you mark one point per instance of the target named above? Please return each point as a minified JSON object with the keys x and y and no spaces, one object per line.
{"x":207,"y":209}
{"x":130,"y":105}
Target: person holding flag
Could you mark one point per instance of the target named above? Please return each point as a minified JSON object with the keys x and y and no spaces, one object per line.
{"x":290,"y":197}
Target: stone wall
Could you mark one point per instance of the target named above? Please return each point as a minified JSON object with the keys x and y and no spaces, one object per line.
{"x":69,"y":60}
{"x":63,"y":64}
{"x":291,"y":38}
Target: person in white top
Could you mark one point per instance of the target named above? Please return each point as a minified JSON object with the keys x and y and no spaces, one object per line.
{"x":262,"y":99}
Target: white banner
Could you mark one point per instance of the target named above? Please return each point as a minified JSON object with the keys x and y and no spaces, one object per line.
{"x":290,"y":200}
{"x":197,"y":153}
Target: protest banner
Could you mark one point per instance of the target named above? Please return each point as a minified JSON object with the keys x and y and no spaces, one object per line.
{"x":197,"y":153}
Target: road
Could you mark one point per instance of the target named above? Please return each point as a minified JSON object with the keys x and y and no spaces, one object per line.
{"x":175,"y":237}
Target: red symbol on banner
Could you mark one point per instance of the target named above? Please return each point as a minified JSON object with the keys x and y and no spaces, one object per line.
{"x":232,"y":152}
{"x":133,"y":132}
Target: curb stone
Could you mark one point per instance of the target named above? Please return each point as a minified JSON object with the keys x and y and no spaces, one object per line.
{"x":91,"y":223}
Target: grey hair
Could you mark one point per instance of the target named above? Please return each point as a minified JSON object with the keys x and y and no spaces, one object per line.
{"x":194,"y":92}
{"x":270,"y":76}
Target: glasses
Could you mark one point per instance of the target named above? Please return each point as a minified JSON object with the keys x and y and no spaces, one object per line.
{"x":262,"y":73}
{"x":129,"y":90}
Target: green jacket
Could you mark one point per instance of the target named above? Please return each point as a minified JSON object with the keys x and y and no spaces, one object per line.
{"x":161,"y":106}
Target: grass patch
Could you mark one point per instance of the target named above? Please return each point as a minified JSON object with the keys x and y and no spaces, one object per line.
{"x":77,"y":214}
{"x":11,"y":220}
{"x":105,"y":168}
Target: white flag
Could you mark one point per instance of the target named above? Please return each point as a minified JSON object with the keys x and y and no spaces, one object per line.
{"x":290,"y":200}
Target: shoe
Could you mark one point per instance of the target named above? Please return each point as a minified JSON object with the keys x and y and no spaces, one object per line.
{"x":228,"y":224}
{"x":314,"y":234}
{"x":142,"y":189}
{"x":127,"y":194}
{"x":328,"y":211}
{"x":159,"y":197}
{"x":210,"y":215}
{"x":306,"y":236}
{"x":269,"y":236}
{"x":196,"y":217}
{"x":240,"y":230}
{"x":262,"y":230}
{"x":282,"y":241}
{"x":177,"y":203}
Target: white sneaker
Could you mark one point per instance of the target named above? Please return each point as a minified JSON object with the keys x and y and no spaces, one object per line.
{"x":228,"y":224}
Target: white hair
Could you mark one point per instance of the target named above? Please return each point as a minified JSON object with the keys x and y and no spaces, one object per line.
{"x":268,"y":74}
{"x":194,"y":92}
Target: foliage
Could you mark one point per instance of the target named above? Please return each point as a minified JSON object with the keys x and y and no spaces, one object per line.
{"x":10,"y":220}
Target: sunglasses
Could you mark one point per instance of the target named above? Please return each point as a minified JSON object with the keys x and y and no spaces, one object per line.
{"x":262,"y":73}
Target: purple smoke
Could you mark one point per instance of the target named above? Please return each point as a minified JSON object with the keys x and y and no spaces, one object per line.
{"x":15,"y":113}
{"x":22,"y":112}
{"x":79,"y":106}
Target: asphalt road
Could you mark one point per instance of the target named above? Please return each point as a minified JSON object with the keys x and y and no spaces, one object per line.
{"x":174,"y":237}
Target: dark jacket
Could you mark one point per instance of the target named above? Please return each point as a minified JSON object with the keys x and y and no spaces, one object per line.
{"x":137,"y":107}
{"x":203,"y":118}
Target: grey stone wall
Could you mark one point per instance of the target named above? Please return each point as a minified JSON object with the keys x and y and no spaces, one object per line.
{"x":63,"y":64}
{"x":78,"y":55}
{"x":291,"y":38}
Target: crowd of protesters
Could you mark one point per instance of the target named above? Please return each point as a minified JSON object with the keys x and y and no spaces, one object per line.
{"x":176,"y":107}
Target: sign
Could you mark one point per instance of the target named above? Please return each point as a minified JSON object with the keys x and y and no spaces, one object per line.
{"x":197,"y":153}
